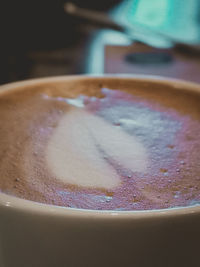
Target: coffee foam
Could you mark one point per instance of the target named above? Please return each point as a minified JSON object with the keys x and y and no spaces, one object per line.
{"x":77,"y":151}
{"x":136,"y":149}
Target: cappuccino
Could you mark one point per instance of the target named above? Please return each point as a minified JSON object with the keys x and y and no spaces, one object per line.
{"x":101,"y":143}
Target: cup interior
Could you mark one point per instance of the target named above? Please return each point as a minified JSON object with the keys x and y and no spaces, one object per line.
{"x":91,"y":84}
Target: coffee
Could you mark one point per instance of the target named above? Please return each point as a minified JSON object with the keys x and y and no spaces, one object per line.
{"x":105,"y":144}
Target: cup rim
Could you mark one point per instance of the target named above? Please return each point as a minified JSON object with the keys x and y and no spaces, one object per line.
{"x":28,"y":206}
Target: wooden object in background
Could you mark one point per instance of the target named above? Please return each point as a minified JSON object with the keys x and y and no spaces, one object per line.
{"x":141,"y":59}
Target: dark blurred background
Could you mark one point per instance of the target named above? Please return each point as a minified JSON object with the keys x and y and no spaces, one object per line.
{"x":39,"y":39}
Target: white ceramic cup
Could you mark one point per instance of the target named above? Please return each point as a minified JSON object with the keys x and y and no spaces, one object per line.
{"x":39,"y":235}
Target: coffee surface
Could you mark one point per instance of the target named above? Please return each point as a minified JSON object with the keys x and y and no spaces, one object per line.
{"x":101,"y":144}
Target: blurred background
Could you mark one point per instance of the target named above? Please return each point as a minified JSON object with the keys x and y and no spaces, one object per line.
{"x":42,"y":38}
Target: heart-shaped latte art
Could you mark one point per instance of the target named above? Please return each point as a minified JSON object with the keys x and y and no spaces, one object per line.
{"x":79,"y":147}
